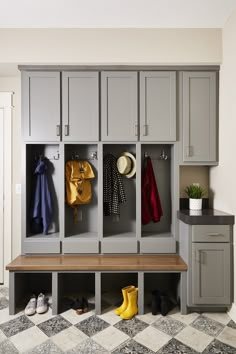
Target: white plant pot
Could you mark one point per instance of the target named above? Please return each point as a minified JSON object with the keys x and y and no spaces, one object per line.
{"x":195,"y":204}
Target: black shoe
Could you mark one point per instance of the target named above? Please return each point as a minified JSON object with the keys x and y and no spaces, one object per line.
{"x":166,"y":304}
{"x":80,"y":305}
{"x":156,"y":302}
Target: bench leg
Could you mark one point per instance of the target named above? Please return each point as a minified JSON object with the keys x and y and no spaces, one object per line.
{"x":54,"y":293}
{"x":12,"y":299}
{"x":183,"y":293}
{"x":98,"y":307}
{"x":140,"y":293}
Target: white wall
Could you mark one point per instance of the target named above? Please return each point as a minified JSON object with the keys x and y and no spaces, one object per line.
{"x":223,"y":177}
{"x":92,"y":46}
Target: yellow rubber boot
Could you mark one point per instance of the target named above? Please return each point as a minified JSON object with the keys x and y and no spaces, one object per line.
{"x":132,"y":308}
{"x":124,"y":305}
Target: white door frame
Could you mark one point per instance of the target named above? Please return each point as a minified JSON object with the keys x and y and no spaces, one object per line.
{"x":6,"y":107}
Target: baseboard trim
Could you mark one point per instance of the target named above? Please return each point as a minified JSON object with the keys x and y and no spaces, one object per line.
{"x":232,"y":312}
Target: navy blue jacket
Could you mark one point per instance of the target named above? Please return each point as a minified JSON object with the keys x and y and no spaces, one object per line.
{"x":42,"y":201}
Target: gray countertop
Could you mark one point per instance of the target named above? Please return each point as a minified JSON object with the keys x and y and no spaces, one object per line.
{"x":205,"y":217}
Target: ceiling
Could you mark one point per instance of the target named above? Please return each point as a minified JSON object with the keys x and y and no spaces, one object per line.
{"x":115,"y":13}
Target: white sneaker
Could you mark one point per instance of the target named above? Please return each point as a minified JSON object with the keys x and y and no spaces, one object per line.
{"x":31,"y":306}
{"x":42,"y":305}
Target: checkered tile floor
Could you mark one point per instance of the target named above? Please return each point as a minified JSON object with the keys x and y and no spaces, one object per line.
{"x":70,"y":333}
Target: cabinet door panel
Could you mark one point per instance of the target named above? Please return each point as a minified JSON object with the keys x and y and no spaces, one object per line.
{"x":41,"y":106}
{"x":158,"y":106}
{"x":211,"y":273}
{"x":199,"y":116}
{"x":119,"y":106}
{"x":80,"y":106}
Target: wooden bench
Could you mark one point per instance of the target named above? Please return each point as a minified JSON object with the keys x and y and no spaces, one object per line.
{"x":53,"y":265}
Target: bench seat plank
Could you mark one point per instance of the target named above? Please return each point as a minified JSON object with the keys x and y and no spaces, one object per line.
{"x":98,"y":262}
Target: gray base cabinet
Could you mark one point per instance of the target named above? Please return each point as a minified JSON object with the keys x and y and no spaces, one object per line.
{"x":207,"y":250}
{"x":211,"y":273}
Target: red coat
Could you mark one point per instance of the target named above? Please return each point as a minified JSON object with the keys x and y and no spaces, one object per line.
{"x":151,"y":204}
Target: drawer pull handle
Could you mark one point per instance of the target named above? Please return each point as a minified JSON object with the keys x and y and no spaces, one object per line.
{"x":214,"y":234}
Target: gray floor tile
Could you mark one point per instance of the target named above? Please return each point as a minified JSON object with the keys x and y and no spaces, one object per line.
{"x":3,"y":303}
{"x":89,"y":346}
{"x":16,"y":325}
{"x":169,"y":325}
{"x":217,"y":347}
{"x":47,"y":347}
{"x":208,"y":326}
{"x":6,"y":347}
{"x":174,"y":347}
{"x":92,"y":325}
{"x":131,"y":327}
{"x":132,"y":347}
{"x":54,"y":325}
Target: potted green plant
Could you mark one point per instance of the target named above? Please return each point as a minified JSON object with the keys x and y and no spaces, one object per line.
{"x":195,"y":193}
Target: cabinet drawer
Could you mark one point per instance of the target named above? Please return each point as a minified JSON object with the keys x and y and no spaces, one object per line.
{"x":211,"y":233}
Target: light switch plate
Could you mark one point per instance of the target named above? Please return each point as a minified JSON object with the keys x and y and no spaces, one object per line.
{"x":18,"y":188}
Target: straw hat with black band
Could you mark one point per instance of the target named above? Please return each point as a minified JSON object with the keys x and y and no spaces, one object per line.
{"x":126,"y":164}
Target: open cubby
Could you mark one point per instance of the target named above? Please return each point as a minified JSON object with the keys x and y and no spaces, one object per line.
{"x":51,"y":153}
{"x":168,"y":283}
{"x":27,"y":284}
{"x":87,"y":215}
{"x":125,"y":223}
{"x":161,"y":162}
{"x":111,"y":287}
{"x":73,"y":286}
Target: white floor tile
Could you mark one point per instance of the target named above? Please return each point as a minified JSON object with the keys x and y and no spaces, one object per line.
{"x":110,"y":338}
{"x":69,"y":338}
{"x":28,"y":339}
{"x":4,"y":315}
{"x":110,"y":317}
{"x":74,"y":318}
{"x":193,"y":338}
{"x":2,"y":336}
{"x":219,"y":317}
{"x":152,"y":338}
{"x":148,"y":318}
{"x":187,"y":319}
{"x":228,"y":336}
{"x":39,"y":318}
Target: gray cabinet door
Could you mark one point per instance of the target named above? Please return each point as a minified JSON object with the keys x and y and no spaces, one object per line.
{"x":157,"y":106}
{"x":41,"y":106}
{"x":119,"y":106}
{"x":80,"y":114}
{"x":199,"y":116}
{"x":211,"y":273}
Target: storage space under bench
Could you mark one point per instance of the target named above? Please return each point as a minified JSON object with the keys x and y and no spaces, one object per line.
{"x":96,"y":277}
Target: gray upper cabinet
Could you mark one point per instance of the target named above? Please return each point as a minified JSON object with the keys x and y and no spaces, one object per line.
{"x":199,"y":116}
{"x":80,"y":106}
{"x":211,"y":273}
{"x":41,"y":106}
{"x":119,"y":106}
{"x":157,"y":106}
